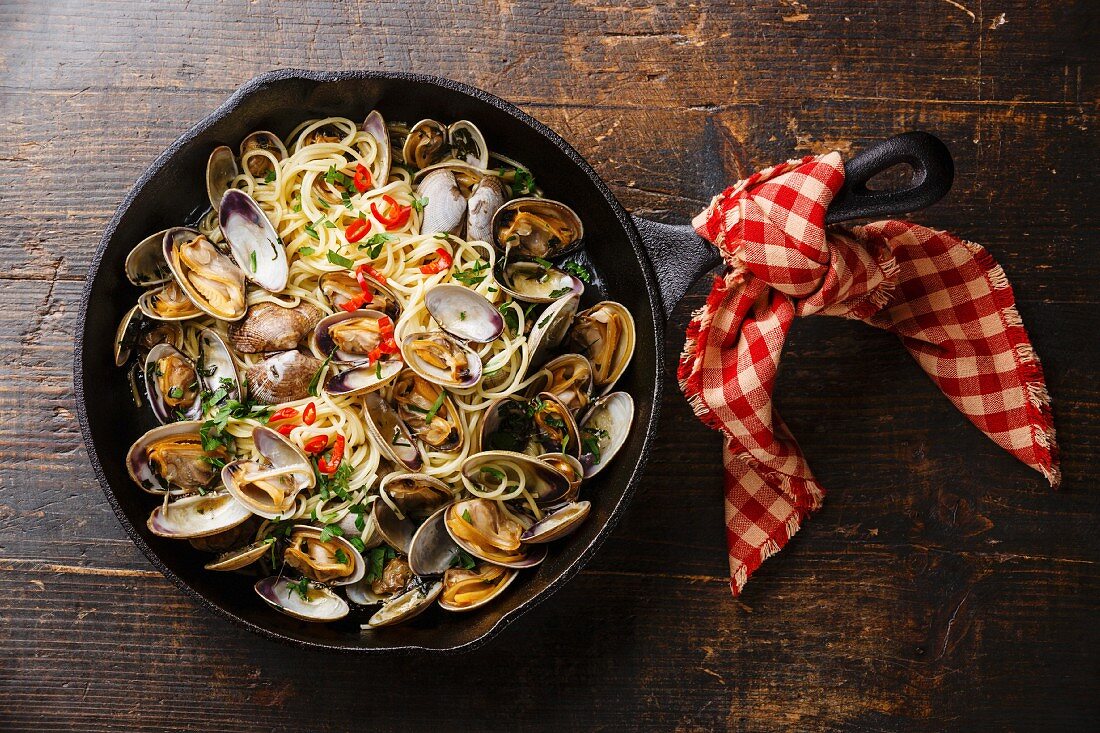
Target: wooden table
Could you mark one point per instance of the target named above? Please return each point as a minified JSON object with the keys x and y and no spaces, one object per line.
{"x":943,"y":586}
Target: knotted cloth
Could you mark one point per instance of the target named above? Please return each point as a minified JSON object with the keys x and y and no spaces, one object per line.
{"x":947,"y":300}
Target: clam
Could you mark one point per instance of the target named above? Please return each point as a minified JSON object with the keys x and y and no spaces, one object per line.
{"x":234,"y":538}
{"x":272,"y":327}
{"x":394,"y":579}
{"x":216,"y":366}
{"x":531,"y":281}
{"x":339,"y":287}
{"x":304,"y":600}
{"x":330,"y":560}
{"x":441,"y":359}
{"x":167,"y":303}
{"x":407,"y":605}
{"x":558,"y":523}
{"x":364,"y":377}
{"x":485,"y":530}
{"x":464,"y":314}
{"x":171,"y":459}
{"x":268,"y":488}
{"x":568,"y":378}
{"x":389,"y":434}
{"x":468,"y":144}
{"x":145,"y":264}
{"x":255,"y":244}
{"x":445,"y":210}
{"x":196,"y":516}
{"x":496,"y":469}
{"x":568,"y":466}
{"x":466,"y":590}
{"x":416,"y":495}
{"x":428,"y":411}
{"x":431,"y":549}
{"x":349,"y":336}
{"x":172,"y":384}
{"x":605,"y":334}
{"x":221,"y":169}
{"x":604,"y":428}
{"x":134,"y":331}
{"x":126,"y":334}
{"x":550,"y":328}
{"x":209,"y":278}
{"x":537,"y":227}
{"x":487,"y":197}
{"x":282,"y":377}
{"x":240,"y":557}
{"x":375,"y":126}
{"x":361,"y":525}
{"x":396,"y":531}
{"x":425,"y":144}
{"x":261,"y":152}
{"x":541,"y":424}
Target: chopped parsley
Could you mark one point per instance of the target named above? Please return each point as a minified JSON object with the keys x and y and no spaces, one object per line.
{"x":374,"y":244}
{"x":430,"y":415}
{"x":466,"y":516}
{"x":341,"y":556}
{"x":463,"y":559}
{"x":317,"y":376}
{"x":311,"y":231}
{"x":270,"y":177}
{"x":330,"y":531}
{"x":376,"y":561}
{"x":252,"y":260}
{"x":301,"y":587}
{"x":580,"y":271}
{"x":175,"y":393}
{"x":555,"y":294}
{"x":419,"y":204}
{"x":473,"y":276}
{"x":306,"y":251}
{"x":338,"y":259}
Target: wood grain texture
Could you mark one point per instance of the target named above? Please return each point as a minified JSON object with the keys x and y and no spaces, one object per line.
{"x":942,"y":587}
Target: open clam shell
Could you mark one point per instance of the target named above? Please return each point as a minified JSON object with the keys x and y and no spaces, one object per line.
{"x":126,"y":335}
{"x":269,"y":488}
{"x":464,"y":314}
{"x":239,"y":558}
{"x":256,"y":149}
{"x":167,"y":303}
{"x":375,"y":126}
{"x":172,"y":384}
{"x":198,"y":515}
{"x":428,"y":411}
{"x":396,"y":531}
{"x":441,"y":359}
{"x":533,"y":282}
{"x":468,"y":590}
{"x":550,"y":328}
{"x":145,"y":264}
{"x":604,"y":428}
{"x":339,"y":287}
{"x":216,"y":366}
{"x":605,"y":333}
{"x":363,"y":378}
{"x":348,"y":336}
{"x":541,"y":424}
{"x":255,"y":244}
{"x":431,"y":549}
{"x":568,"y":378}
{"x":570,"y":467}
{"x":221,"y":169}
{"x":209,"y":278}
{"x":536,"y":227}
{"x":468,"y":144}
{"x":332,"y":560}
{"x":493,"y":468}
{"x":319,"y":605}
{"x":407,"y":605}
{"x":426,"y":144}
{"x":389,"y":435}
{"x":558,"y":523}
{"x":416,"y":495}
{"x":171,"y":459}
{"x":487,"y":532}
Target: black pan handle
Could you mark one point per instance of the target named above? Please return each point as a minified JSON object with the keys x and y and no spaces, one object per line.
{"x":680,"y":256}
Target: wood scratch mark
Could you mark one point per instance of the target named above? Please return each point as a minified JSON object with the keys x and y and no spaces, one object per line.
{"x":951,"y":622}
{"x":799,"y":18}
{"x":17,"y":563}
{"x":960,"y":6}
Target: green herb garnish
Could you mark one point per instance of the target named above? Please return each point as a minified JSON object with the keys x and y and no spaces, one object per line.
{"x":435,"y":406}
{"x":338,"y":259}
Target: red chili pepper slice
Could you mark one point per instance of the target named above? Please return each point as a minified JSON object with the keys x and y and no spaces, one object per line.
{"x":385,"y":326}
{"x":309,"y":415}
{"x":374,"y":354}
{"x":357,"y":230}
{"x":388,"y":346}
{"x":362,"y":180}
{"x":397,"y":219}
{"x":332,"y":462}
{"x":316,"y":444}
{"x":286,"y":429}
{"x":283,"y":414}
{"x":368,"y":270}
{"x":354,"y":303}
{"x":443,"y":263}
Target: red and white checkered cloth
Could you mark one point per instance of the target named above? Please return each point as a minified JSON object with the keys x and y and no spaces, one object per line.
{"x":947,"y":300}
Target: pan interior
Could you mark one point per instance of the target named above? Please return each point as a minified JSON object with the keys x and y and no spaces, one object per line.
{"x":173,"y":188}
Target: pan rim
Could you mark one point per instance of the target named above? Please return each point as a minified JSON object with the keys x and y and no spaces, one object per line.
{"x":227,"y":108}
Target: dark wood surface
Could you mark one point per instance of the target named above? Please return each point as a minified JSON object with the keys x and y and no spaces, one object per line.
{"x":943,"y":587}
